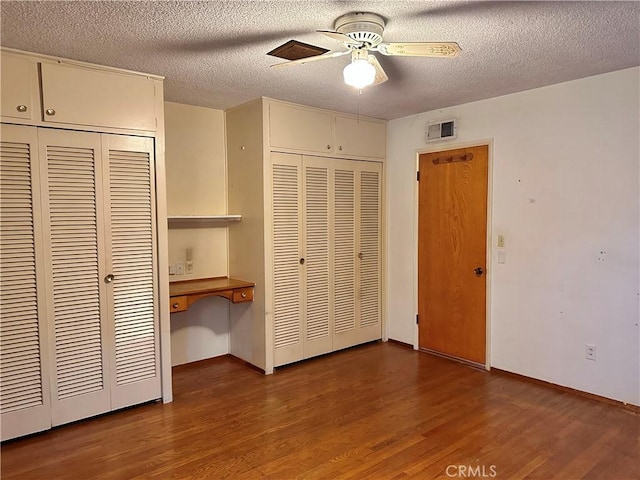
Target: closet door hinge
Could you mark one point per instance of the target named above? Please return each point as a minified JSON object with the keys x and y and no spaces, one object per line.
{"x":418,"y":175}
{"x":417,"y":319}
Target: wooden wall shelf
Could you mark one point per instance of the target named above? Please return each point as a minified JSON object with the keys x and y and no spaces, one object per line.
{"x":200,"y":221}
{"x":184,"y":293}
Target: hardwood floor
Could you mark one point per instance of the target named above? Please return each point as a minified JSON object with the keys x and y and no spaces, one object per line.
{"x":379,"y":411}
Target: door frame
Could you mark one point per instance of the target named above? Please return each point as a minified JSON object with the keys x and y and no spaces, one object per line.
{"x":443,"y":147}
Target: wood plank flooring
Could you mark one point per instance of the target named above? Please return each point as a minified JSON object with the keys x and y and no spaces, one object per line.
{"x":380,"y":411}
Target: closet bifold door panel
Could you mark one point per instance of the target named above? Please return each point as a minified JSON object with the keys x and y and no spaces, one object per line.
{"x":345,"y":332}
{"x":71,"y":164}
{"x":24,"y":385}
{"x":369,"y":238}
{"x":130,"y":240}
{"x":288,"y":262}
{"x":317,"y":251}
{"x":357,"y":260}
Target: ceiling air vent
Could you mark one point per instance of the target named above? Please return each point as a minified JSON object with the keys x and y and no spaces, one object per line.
{"x":294,"y":50}
{"x":441,"y":131}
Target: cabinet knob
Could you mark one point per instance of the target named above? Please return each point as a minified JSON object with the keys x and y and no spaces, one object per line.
{"x":328,"y":147}
{"x":109,"y":278}
{"x":175,"y":305}
{"x":340,"y":148}
{"x":302,"y":261}
{"x":21,"y":108}
{"x":50,"y":111}
{"x":360,"y":256}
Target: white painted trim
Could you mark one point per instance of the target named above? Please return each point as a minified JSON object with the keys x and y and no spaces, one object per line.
{"x":442,"y":147}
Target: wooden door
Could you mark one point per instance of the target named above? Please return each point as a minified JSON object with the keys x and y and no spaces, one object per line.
{"x":24,"y":374}
{"x":452,"y":237}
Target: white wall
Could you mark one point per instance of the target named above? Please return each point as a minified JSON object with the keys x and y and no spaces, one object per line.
{"x":565,"y":186}
{"x":196,"y":185}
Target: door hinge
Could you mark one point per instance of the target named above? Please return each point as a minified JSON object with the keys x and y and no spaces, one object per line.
{"x":418,"y":175}
{"x":417,"y":319}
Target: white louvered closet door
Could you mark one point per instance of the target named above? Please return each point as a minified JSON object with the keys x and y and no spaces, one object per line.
{"x":317,"y":250}
{"x":24,"y":385}
{"x":369,"y":238}
{"x":73,"y":225}
{"x":288,"y":272}
{"x":344,"y":258}
{"x":130,"y":239}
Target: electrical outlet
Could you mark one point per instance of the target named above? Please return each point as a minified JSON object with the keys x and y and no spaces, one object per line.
{"x":179,"y":268}
{"x":188,"y":266}
{"x":590,"y":352}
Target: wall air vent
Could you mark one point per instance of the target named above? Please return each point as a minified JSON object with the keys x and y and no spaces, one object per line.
{"x":440,"y":131}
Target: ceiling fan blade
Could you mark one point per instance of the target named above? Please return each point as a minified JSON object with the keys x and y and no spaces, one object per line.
{"x":312,"y":59}
{"x":341,"y":37}
{"x":381,"y":76}
{"x":424,"y":49}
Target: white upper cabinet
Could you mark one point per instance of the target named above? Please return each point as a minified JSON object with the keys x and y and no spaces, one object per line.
{"x":40,"y":90}
{"x":309,"y":130}
{"x":92,"y":97}
{"x":360,"y":138}
{"x":300,"y":128}
{"x":19,"y":84}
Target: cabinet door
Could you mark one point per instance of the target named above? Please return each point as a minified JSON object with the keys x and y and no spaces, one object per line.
{"x":18,"y":87}
{"x":82,"y":96}
{"x":369,"y":237}
{"x":71,"y":163}
{"x":360,"y":138}
{"x":130,"y":237}
{"x":317,"y":251}
{"x":24,"y":387}
{"x":344,"y":255}
{"x":288,"y":278}
{"x":299,"y":128}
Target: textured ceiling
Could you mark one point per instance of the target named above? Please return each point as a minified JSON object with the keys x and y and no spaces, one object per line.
{"x":213,"y":53}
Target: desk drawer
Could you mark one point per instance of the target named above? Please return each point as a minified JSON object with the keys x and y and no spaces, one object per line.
{"x":242,"y":295}
{"x":178,"y":304}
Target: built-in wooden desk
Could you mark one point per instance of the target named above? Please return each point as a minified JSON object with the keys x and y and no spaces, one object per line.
{"x":183,"y":293}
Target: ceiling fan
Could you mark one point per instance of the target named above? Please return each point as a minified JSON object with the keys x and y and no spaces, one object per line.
{"x":361,"y":33}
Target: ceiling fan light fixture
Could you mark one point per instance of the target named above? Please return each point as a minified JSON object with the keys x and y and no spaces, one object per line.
{"x":359,"y":73}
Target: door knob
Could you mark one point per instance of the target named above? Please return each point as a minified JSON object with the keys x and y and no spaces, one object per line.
{"x":109,"y":278}
{"x":478,"y":271}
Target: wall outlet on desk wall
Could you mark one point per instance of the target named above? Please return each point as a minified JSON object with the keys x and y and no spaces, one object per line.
{"x":177,"y":268}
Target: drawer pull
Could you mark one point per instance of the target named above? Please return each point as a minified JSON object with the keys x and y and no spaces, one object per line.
{"x":50,"y":111}
{"x":243,"y":294}
{"x":21,"y":108}
{"x":176,"y":305}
